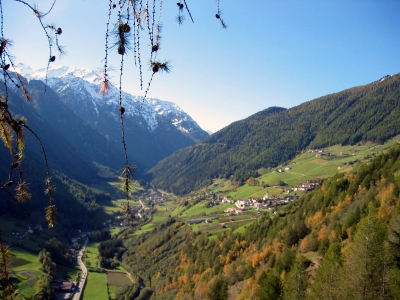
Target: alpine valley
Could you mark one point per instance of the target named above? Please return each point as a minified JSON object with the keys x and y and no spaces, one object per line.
{"x":299,"y":203}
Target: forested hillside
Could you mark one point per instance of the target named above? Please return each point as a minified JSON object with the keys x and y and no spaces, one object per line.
{"x":77,"y":204}
{"x":71,"y":147}
{"x":275,"y":135}
{"x":341,"y":241}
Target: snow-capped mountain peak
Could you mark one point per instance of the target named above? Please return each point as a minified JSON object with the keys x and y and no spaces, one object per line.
{"x":79,"y":88}
{"x":55,"y":71}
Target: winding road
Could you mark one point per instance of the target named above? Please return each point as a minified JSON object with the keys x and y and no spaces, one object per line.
{"x":81,"y":283}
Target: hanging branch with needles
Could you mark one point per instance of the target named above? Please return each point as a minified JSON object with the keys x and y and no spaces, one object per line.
{"x":124,"y":30}
{"x":12,"y":127}
{"x":105,"y":84}
{"x":146,"y":19}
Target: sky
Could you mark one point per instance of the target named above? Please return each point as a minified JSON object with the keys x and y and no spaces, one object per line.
{"x":273,"y":53}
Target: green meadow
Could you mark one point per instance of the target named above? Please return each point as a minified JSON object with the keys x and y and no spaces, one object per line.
{"x":91,"y":254}
{"x":27,"y":270}
{"x":96,"y":286}
{"x":145,"y":228}
{"x":306,"y":166}
{"x":177,"y":210}
{"x":109,"y":281}
{"x":199,"y":210}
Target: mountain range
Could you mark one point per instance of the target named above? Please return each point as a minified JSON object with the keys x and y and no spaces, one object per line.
{"x":154,"y":128}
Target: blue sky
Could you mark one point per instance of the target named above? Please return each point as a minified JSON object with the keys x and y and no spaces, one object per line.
{"x":273,"y":53}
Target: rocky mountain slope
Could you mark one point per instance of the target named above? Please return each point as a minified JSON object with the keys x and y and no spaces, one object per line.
{"x":154,"y":128}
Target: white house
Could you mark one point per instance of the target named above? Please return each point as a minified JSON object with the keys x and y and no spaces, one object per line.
{"x":242,"y":203}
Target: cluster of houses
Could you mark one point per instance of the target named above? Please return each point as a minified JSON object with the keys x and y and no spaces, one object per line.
{"x":153,"y":195}
{"x":322,"y":150}
{"x":280,"y":170}
{"x":20,"y":236}
{"x":24,"y":235}
{"x":241,"y":205}
{"x":309,"y":186}
{"x":255,"y":203}
{"x":121,"y":221}
{"x":232,"y":211}
{"x":265,"y":202}
{"x":76,"y":243}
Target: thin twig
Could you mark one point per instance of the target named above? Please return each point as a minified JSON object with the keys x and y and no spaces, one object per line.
{"x":187,"y":8}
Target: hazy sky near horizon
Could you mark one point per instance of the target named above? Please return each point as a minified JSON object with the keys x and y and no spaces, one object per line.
{"x":273,"y":53}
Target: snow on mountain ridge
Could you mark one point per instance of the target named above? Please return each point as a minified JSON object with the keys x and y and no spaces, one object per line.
{"x":84,"y":82}
{"x":60,"y":72}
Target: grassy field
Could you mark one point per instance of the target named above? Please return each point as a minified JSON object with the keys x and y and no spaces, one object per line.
{"x":115,"y":231}
{"x":198,"y":210}
{"x":91,"y":254}
{"x":114,"y":278}
{"x":27,"y":289}
{"x":245,"y":192}
{"x":241,"y":229}
{"x":27,"y":270}
{"x":96,"y":287}
{"x":24,"y":260}
{"x":159,"y":218}
{"x":177,"y":210}
{"x":306,"y":166}
{"x":144,"y":228}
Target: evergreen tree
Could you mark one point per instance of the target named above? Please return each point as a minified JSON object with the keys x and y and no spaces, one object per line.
{"x":366,"y":261}
{"x":218,"y":290}
{"x":296,"y":284}
{"x":270,"y":286}
{"x":326,"y":284}
{"x":394,"y":244}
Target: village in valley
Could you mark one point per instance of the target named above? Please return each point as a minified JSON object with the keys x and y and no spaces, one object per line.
{"x":216,"y":202}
